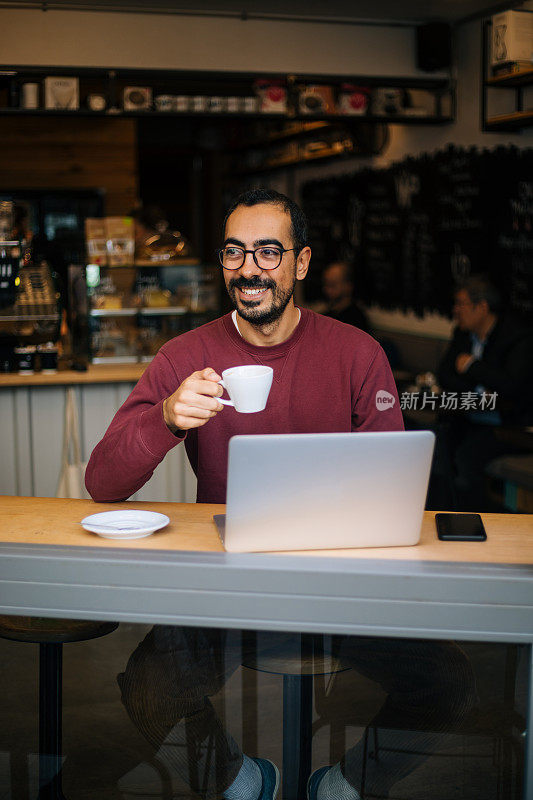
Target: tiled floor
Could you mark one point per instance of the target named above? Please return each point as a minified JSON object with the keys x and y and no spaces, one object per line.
{"x":106,"y":758}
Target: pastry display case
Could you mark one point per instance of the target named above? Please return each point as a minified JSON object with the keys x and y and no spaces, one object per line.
{"x":123,"y":314}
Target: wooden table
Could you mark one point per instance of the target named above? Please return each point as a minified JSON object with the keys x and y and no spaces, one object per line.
{"x":49,"y":521}
{"x":49,"y":566}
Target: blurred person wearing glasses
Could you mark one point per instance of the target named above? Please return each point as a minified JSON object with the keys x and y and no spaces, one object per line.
{"x":326,"y":376}
{"x":489,"y":360}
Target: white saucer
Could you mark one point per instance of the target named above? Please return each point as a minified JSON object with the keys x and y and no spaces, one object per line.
{"x":134,"y":524}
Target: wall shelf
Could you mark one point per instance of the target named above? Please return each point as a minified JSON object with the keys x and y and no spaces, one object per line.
{"x":110,"y":83}
{"x":522,"y":78}
{"x":513,"y":82}
{"x":508,"y":122}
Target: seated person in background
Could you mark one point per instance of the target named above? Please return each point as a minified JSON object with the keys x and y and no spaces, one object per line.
{"x":487,"y":374}
{"x":326,"y":376}
{"x":338,"y":288}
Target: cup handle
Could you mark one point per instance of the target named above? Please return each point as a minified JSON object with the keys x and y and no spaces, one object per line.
{"x":225,"y":402}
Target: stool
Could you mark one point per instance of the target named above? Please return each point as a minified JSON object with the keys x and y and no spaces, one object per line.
{"x":50,"y":634}
{"x":299,"y":661}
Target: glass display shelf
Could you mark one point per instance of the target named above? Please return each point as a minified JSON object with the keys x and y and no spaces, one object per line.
{"x":125,"y":313}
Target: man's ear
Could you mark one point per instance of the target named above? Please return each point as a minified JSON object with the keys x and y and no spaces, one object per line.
{"x":302,"y":263}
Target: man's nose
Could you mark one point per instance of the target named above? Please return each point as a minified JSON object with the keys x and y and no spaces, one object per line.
{"x":250,"y":268}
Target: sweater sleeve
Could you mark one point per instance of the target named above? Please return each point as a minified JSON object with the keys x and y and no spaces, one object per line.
{"x":137,"y":439}
{"x":376,"y":406}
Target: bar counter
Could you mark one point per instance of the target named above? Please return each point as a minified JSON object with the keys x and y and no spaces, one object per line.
{"x":49,"y":565}
{"x":180,"y":575}
{"x":96,"y":373}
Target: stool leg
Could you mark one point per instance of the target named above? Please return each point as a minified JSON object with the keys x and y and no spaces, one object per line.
{"x":50,"y":714}
{"x":297,"y":734}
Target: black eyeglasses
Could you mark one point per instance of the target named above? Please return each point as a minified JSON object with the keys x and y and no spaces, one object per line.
{"x":266,"y":257}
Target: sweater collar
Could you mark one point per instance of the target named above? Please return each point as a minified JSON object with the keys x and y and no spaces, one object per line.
{"x":266,"y":353}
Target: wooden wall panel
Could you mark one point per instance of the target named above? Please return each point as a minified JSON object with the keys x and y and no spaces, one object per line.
{"x":8,"y":469}
{"x":32,"y":429}
{"x":71,"y":153}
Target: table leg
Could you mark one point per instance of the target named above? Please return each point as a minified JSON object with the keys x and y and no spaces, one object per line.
{"x":297,"y":734}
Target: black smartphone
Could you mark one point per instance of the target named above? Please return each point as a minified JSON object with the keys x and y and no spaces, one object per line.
{"x":460,"y":528}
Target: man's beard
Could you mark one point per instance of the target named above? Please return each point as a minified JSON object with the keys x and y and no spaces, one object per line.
{"x":248,"y":309}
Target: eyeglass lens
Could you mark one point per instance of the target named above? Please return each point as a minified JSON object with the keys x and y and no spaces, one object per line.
{"x":264,"y":257}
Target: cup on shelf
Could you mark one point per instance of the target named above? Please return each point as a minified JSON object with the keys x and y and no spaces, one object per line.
{"x":30,"y":95}
{"x":250,"y":105}
{"x":199,"y":103}
{"x":233,"y":104}
{"x":181,"y":102}
{"x":216,"y":104}
{"x":164,"y":102}
{"x":96,"y":102}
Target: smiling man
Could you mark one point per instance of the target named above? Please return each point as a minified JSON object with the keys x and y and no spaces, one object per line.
{"x":328,"y":377}
{"x":261,"y":273}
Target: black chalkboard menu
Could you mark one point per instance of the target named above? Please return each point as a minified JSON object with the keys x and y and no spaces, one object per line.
{"x":414,"y":230}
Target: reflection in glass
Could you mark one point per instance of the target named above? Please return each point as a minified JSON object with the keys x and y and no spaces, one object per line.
{"x":404,"y":718}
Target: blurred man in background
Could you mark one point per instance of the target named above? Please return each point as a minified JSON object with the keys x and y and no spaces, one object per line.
{"x":338,"y":289}
{"x":487,"y":375}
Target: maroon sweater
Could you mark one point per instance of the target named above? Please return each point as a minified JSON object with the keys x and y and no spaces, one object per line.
{"x":326,"y":376}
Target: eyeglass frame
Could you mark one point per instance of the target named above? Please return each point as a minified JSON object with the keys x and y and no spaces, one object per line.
{"x":282,"y":251}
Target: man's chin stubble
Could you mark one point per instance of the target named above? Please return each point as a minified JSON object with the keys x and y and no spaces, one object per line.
{"x":259,"y":318}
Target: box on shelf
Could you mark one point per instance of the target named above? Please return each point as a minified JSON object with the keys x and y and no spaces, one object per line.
{"x":61,"y":93}
{"x":388,"y":101}
{"x":512,"y":37}
{"x":96,"y":240}
{"x":120,"y":241}
{"x":137,"y":98}
{"x":353,"y":100}
{"x":316,"y":100}
{"x":272,"y":96}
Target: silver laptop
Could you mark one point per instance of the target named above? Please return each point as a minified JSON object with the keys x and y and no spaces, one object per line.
{"x":325,"y":490}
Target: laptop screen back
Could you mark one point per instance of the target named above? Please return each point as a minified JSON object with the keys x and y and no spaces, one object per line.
{"x":329,"y":490}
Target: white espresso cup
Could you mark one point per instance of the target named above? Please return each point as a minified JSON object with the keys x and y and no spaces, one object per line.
{"x":248,"y":387}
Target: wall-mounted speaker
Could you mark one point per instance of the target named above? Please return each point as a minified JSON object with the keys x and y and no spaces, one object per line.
{"x":433,"y":46}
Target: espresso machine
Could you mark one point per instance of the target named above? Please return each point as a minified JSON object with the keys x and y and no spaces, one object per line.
{"x":29,"y":302}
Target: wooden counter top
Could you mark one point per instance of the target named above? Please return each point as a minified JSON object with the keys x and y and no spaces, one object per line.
{"x":96,"y":373}
{"x":50,"y":521}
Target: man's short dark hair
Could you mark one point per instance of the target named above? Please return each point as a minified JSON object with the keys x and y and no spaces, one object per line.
{"x":479,"y":287}
{"x":255,"y":197}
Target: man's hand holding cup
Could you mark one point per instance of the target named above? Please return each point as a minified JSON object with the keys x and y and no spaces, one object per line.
{"x":194,"y":402}
{"x":197,"y":400}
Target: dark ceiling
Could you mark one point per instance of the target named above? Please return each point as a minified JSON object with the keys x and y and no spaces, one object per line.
{"x":396,"y":11}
